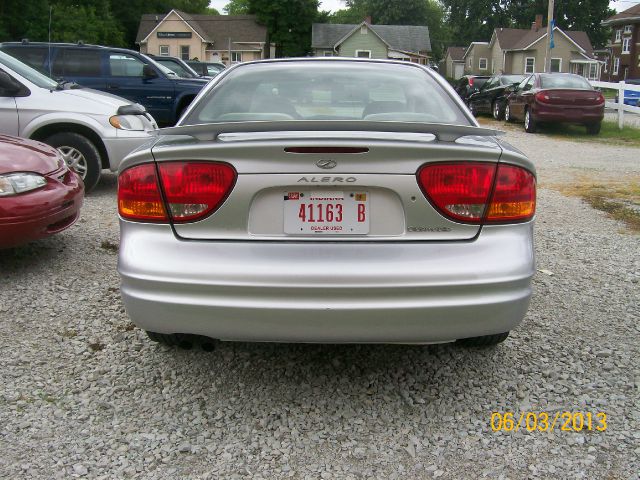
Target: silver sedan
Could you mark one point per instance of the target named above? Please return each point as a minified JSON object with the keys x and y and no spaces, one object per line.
{"x":327,"y":200}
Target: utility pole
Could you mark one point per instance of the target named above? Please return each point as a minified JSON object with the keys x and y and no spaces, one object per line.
{"x":550,"y":22}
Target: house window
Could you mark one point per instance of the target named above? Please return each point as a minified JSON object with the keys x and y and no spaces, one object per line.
{"x":556,"y":65}
{"x":627,"y":28}
{"x":616,"y":65}
{"x":470,"y":62}
{"x":184,"y":52}
{"x":164,"y":50}
{"x":328,"y":54}
{"x":482,"y":64}
{"x":618,"y":35}
{"x":626,"y":45}
{"x":593,"y":71}
{"x":363,"y":53}
{"x":606,"y":64}
{"x":236,"y":57}
{"x":529,"y":65}
{"x":364,"y":30}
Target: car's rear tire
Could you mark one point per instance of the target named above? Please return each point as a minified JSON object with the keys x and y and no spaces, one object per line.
{"x":594,"y":128}
{"x":507,"y":113}
{"x":171,"y":339}
{"x":530,"y":124}
{"x":81,"y":154}
{"x":483,"y":341}
{"x":497,"y":111}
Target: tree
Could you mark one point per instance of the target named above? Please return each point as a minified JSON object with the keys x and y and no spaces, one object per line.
{"x":237,"y":7}
{"x":288,"y":23}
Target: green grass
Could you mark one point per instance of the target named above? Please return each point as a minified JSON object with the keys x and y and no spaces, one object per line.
{"x":609,"y":93}
{"x":620,"y":200}
{"x":610,"y":133}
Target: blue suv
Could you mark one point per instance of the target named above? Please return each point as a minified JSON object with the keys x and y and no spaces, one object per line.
{"x":119,"y":71}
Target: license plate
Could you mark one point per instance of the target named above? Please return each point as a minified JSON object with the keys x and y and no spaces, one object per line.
{"x":329,"y":213}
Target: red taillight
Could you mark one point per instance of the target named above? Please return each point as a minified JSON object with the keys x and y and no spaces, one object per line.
{"x":193,"y":190}
{"x":139,"y":194}
{"x":462,"y":191}
{"x":543,"y":97}
{"x":471,"y":81}
{"x":600,"y":98}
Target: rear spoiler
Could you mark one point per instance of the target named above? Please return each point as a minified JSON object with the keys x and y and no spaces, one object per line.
{"x":443,"y":132}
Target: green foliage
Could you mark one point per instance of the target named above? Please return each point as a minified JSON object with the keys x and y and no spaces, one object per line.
{"x":237,"y":7}
{"x":474,"y":20}
{"x":288,"y":23}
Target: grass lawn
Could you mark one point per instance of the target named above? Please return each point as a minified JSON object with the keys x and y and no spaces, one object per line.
{"x":621,"y":200}
{"x":610,"y":133}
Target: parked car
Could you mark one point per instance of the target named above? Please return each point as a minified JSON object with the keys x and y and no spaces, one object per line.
{"x":555,"y":98}
{"x":119,"y":71}
{"x":469,"y":84}
{"x":631,"y":97}
{"x":93,"y":130}
{"x":39,"y":194}
{"x":295,"y":213}
{"x":178,"y":66}
{"x":491,"y":98}
{"x":210,"y":69}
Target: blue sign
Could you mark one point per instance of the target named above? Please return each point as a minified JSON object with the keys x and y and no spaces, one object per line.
{"x":551,"y":43}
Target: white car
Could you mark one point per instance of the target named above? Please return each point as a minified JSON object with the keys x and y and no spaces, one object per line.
{"x":93,"y":130}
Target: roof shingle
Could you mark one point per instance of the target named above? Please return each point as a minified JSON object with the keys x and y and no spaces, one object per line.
{"x":405,"y":38}
{"x":216,"y":29}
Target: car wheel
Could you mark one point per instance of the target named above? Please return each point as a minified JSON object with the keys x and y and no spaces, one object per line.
{"x":507,"y":113}
{"x":81,"y":155}
{"x":484,"y":341}
{"x":530,"y":125}
{"x":594,"y":128}
{"x":473,"y":110}
{"x":497,"y":110}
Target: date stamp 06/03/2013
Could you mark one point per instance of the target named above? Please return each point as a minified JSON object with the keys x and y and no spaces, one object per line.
{"x":548,"y":421}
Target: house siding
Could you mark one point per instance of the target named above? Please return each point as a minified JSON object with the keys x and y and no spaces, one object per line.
{"x":358,"y":41}
{"x":173,"y":23}
{"x":629,"y":62}
{"x":477,"y":52}
{"x":496,"y":59}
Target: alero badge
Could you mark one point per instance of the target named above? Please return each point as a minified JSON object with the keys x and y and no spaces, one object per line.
{"x":326,"y":164}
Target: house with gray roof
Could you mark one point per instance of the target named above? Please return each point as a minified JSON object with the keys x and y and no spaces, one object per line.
{"x":523,"y":51}
{"x":364,"y":40}
{"x":208,"y":38}
{"x":453,"y":62}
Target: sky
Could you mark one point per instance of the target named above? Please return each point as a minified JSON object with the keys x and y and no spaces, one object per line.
{"x":334,"y":5}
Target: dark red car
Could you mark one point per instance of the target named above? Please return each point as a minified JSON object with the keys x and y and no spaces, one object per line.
{"x":39,"y":195}
{"x":555,"y":98}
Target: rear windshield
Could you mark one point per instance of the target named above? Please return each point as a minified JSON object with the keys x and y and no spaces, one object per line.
{"x":327,"y":91}
{"x":564,"y":81}
{"x":511,"y":79}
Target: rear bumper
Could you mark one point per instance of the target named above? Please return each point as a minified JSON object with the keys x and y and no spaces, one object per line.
{"x":568,"y":114}
{"x":326,"y":292}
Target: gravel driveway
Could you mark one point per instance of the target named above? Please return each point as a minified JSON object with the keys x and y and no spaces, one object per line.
{"x":85,"y":394}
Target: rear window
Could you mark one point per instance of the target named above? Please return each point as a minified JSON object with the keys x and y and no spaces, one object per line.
{"x":511,"y":79}
{"x":327,"y":91}
{"x":564,"y":81}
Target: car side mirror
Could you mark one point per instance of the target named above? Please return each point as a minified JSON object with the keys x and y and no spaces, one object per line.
{"x":8,"y":86}
{"x":148,"y":71}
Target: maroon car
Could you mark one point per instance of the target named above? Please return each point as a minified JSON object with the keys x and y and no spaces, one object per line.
{"x":39,"y":195}
{"x":555,"y":98}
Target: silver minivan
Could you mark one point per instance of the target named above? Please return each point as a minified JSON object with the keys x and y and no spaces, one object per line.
{"x":93,"y":130}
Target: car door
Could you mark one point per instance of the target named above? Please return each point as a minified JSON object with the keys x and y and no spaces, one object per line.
{"x":131,"y":78}
{"x":9,"y":121}
{"x":485,"y":95}
{"x":516,"y":100}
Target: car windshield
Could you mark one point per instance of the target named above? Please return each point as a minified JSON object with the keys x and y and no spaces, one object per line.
{"x":28,"y":73}
{"x":176,"y":67}
{"x":327,"y":90}
{"x":511,"y":79}
{"x":564,"y":81}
